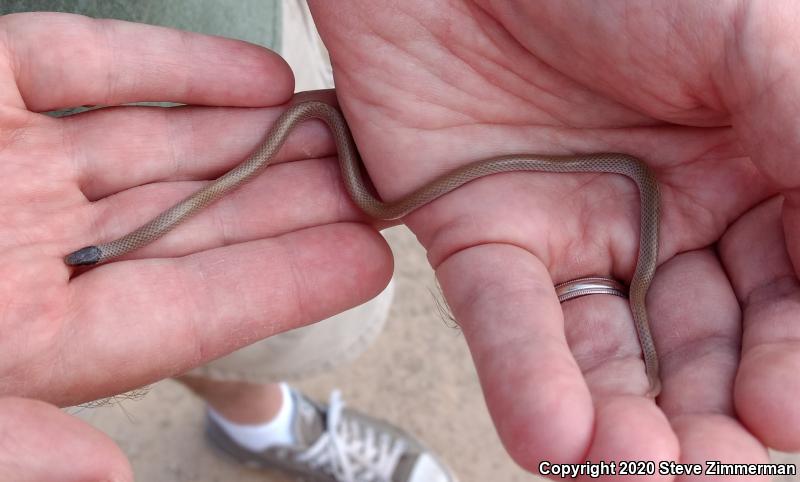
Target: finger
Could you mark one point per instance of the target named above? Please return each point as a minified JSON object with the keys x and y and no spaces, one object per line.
{"x":284,"y":198}
{"x":601,"y":333}
{"x":707,"y":437}
{"x":175,"y":144}
{"x":184,"y":143}
{"x":602,"y":336}
{"x":160,"y":317}
{"x":505,"y":302}
{"x":533,"y":386}
{"x":61,"y":60}
{"x":630,"y":428}
{"x":697,"y":320}
{"x":40,"y":443}
{"x":754,"y":254}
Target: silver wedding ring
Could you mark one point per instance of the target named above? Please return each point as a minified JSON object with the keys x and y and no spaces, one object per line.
{"x":592,"y":285}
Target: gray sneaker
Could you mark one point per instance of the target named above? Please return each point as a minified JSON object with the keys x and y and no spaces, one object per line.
{"x":335,"y":444}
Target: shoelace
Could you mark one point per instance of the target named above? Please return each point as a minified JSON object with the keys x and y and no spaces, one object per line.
{"x":351,"y":451}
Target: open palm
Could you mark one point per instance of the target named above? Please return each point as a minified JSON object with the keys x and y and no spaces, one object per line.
{"x":229,"y":279}
{"x":708,"y":99}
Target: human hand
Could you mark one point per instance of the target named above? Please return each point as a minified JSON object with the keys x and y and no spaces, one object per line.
{"x":40,"y":443}
{"x":278,"y":254}
{"x":707,"y":98}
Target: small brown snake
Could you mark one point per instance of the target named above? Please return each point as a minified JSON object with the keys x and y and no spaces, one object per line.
{"x":358,"y":189}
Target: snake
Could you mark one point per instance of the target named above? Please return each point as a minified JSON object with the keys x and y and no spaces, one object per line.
{"x":360,"y":190}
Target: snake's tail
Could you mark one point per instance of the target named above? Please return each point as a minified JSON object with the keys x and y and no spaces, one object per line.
{"x":655,"y":387}
{"x":84,"y":256}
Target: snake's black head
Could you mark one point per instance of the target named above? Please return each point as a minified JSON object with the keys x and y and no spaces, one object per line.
{"x":84,"y":256}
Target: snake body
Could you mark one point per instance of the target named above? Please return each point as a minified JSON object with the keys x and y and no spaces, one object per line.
{"x":358,"y":189}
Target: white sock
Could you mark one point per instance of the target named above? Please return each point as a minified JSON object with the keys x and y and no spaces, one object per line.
{"x":277,"y":431}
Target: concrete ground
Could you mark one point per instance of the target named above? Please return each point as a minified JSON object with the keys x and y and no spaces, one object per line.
{"x":418,"y":375}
